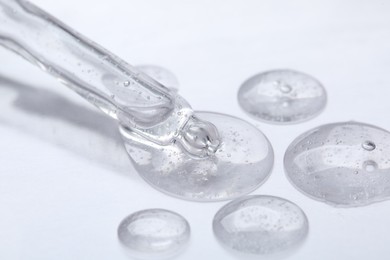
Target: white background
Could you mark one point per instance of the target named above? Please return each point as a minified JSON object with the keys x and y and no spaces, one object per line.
{"x":64,"y":189}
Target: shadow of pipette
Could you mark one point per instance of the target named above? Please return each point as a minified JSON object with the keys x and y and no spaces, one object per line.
{"x":60,"y":121}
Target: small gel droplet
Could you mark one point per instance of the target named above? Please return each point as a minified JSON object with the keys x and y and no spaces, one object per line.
{"x":349,"y":176}
{"x":282,"y":96}
{"x":260,"y":225}
{"x":154,"y":234}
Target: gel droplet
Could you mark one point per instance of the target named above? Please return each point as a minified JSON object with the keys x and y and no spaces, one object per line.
{"x":242,"y":163}
{"x":336,"y":163}
{"x":154,"y":234}
{"x":260,"y":225}
{"x":162,"y":75}
{"x":282,"y":96}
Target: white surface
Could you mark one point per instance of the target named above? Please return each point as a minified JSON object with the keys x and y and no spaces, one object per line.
{"x":58,"y":204}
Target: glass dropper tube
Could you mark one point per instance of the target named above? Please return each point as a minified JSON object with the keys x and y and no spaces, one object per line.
{"x":175,"y":150}
{"x":118,"y":89}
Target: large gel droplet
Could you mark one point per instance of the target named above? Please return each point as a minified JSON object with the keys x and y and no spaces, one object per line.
{"x":344,"y":164}
{"x":241,"y":164}
{"x":282,"y":96}
{"x":154,"y":234}
{"x":162,"y":75}
{"x":260,"y":224}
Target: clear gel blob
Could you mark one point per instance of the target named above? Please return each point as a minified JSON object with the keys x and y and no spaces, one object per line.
{"x":260,"y":225}
{"x":343,"y":164}
{"x":241,"y":164}
{"x":162,"y":75}
{"x":154,"y":234}
{"x":282,"y":96}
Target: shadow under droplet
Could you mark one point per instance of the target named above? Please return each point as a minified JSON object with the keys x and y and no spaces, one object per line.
{"x":60,"y":121}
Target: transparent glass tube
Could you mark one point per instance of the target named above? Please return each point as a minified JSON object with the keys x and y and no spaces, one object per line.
{"x":136,"y":100}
